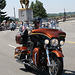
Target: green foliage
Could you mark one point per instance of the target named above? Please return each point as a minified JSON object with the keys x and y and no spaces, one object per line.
{"x":38,"y":9}
{"x":2,"y":6}
{"x":32,"y":5}
{"x":61,"y":14}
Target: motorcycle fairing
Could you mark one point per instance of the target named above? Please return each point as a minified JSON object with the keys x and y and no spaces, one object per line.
{"x":49,"y":32}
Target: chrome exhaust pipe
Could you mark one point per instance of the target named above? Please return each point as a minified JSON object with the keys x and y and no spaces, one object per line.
{"x":19,"y":61}
{"x":32,"y":66}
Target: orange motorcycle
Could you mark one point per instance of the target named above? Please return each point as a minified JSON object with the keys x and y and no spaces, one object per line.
{"x":41,"y":50}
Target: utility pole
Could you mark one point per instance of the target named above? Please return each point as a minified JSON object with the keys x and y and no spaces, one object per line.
{"x":64,"y":16}
{"x":14,"y":14}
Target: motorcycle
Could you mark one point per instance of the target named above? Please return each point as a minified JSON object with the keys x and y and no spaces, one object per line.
{"x":44,"y":46}
{"x":12,"y":26}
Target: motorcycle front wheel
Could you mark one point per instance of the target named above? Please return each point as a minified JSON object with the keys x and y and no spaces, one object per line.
{"x":56,"y":67}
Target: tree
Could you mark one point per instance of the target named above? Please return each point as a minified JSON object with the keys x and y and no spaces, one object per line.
{"x":32,"y":5}
{"x":38,"y":9}
{"x":2,"y":6}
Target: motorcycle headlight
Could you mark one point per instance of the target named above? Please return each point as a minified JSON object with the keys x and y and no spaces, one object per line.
{"x":46,"y":41}
{"x":54,"y":42}
{"x":62,"y":42}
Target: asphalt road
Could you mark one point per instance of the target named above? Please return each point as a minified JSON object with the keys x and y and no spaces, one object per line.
{"x":8,"y":65}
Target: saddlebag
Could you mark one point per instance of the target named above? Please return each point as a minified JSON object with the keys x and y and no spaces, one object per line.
{"x":21,"y":38}
{"x":20,"y":52}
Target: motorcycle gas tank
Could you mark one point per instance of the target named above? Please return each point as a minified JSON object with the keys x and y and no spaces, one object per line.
{"x":49,"y":32}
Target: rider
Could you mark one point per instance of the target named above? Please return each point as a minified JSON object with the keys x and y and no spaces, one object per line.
{"x":25,"y":35}
{"x":37,"y":22}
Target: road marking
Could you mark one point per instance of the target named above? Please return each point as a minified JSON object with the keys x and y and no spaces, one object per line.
{"x":11,"y":46}
{"x":70,"y":42}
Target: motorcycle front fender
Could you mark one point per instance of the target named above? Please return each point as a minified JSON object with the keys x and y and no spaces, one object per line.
{"x":58,"y":53}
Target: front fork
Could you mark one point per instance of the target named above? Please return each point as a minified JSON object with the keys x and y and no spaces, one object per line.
{"x":47,"y":52}
{"x":48,"y":59}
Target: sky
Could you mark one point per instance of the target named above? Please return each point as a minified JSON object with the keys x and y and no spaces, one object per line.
{"x":51,"y":6}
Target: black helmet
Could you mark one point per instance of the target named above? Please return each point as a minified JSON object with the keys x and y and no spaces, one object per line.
{"x":37,"y":19}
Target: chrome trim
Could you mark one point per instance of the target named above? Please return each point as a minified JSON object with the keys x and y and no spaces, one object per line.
{"x":47,"y":52}
{"x":26,"y":56}
{"x":40,"y":34}
{"x":35,"y":59}
{"x":62,"y":35}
